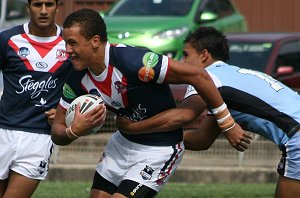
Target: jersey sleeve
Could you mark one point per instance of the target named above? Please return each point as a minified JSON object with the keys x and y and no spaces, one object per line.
{"x":190,"y":91}
{"x":72,"y":87}
{"x":140,"y":65}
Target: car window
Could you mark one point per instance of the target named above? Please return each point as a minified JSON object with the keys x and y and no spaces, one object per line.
{"x":210,"y":6}
{"x":16,"y":9}
{"x":289,"y":55}
{"x":152,"y":8}
{"x":221,"y":8}
{"x":14,"y":13}
{"x":249,"y":55}
{"x":225,"y":8}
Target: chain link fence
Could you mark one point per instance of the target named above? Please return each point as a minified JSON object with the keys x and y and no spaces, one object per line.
{"x":88,"y":150}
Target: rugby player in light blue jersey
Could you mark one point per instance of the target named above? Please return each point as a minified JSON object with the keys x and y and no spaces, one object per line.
{"x":256,"y":101}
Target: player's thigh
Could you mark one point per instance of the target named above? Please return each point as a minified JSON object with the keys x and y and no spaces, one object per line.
{"x":7,"y":152}
{"x":287,"y":187}
{"x":101,"y":187}
{"x":129,"y":188}
{"x":154,"y":166}
{"x":33,"y":155}
{"x":3,"y":186}
{"x":95,"y":193}
{"x":288,"y":183}
{"x":20,"y":186}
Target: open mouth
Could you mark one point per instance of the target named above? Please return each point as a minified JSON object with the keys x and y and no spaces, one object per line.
{"x":43,"y":19}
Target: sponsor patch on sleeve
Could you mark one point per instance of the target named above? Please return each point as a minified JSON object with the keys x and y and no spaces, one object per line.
{"x":147,"y":73}
{"x":68,"y":92}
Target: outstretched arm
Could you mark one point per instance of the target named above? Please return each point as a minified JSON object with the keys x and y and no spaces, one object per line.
{"x":182,"y":73}
{"x":198,"y":77}
{"x":208,"y":131}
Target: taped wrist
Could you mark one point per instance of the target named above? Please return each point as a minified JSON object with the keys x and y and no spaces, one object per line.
{"x":223,"y":117}
{"x":71,"y":134}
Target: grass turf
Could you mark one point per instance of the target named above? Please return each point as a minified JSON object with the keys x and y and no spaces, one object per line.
{"x":76,"y":189}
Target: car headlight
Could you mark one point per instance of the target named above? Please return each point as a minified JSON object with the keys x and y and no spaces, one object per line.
{"x":172,"y":33}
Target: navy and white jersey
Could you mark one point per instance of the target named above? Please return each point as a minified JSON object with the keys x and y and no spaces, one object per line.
{"x":131,"y":86}
{"x":258,"y":102}
{"x":34,"y":69}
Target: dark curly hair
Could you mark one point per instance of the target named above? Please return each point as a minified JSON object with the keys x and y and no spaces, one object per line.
{"x":90,"y":23}
{"x":212,"y":40}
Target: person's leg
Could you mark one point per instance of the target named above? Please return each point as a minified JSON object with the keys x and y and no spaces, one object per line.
{"x":3,"y":187}
{"x":99,"y":194}
{"x":288,"y":183}
{"x":152,"y":168}
{"x":20,"y":186}
{"x":101,"y":187}
{"x":287,"y":187}
{"x":129,"y":188}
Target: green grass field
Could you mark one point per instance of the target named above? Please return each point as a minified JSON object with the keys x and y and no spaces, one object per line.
{"x":172,"y":190}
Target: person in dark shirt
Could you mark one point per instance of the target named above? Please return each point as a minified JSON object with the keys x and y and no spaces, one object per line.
{"x":34,"y":64}
{"x":133,"y":83}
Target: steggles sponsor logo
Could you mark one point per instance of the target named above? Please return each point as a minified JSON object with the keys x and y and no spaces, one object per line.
{"x":28,"y":84}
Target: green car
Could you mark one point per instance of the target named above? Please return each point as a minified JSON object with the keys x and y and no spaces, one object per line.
{"x":161,"y":25}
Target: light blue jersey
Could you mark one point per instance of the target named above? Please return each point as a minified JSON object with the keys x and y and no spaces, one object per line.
{"x":257,"y":102}
{"x":262,"y":105}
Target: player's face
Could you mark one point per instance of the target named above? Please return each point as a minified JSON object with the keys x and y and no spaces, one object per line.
{"x":79,"y":48}
{"x":42,"y":14}
{"x":191,"y":56}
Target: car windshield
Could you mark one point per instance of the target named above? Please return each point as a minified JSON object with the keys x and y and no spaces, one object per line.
{"x":151,"y":8}
{"x":249,"y":55}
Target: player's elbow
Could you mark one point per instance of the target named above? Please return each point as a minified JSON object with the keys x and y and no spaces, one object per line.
{"x":55,"y":138}
{"x":58,"y":138}
{"x":200,"y":75}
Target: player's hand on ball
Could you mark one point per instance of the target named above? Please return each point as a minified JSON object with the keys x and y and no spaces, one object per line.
{"x":238,"y":138}
{"x":84,"y":122}
{"x":85,"y":115}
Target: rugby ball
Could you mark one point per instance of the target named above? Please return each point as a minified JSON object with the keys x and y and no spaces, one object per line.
{"x":87,"y":103}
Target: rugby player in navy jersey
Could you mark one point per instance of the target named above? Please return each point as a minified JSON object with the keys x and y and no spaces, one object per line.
{"x":256,"y":101}
{"x":34,"y":66}
{"x":133,"y":83}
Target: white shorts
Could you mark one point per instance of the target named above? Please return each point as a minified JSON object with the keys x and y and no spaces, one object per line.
{"x":151,"y":166}
{"x":289,"y":165}
{"x":25,"y":153}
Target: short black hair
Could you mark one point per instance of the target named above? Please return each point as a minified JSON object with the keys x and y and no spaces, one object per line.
{"x":90,"y":23}
{"x":211,"y":39}
{"x":29,"y":1}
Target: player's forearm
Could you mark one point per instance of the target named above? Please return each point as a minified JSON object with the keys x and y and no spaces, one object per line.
{"x":59,"y":135}
{"x":205,"y":87}
{"x":199,"y":78}
{"x":165,"y":121}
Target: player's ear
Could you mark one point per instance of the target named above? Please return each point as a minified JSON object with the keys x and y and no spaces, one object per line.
{"x":204,"y":55}
{"x":96,"y":41}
